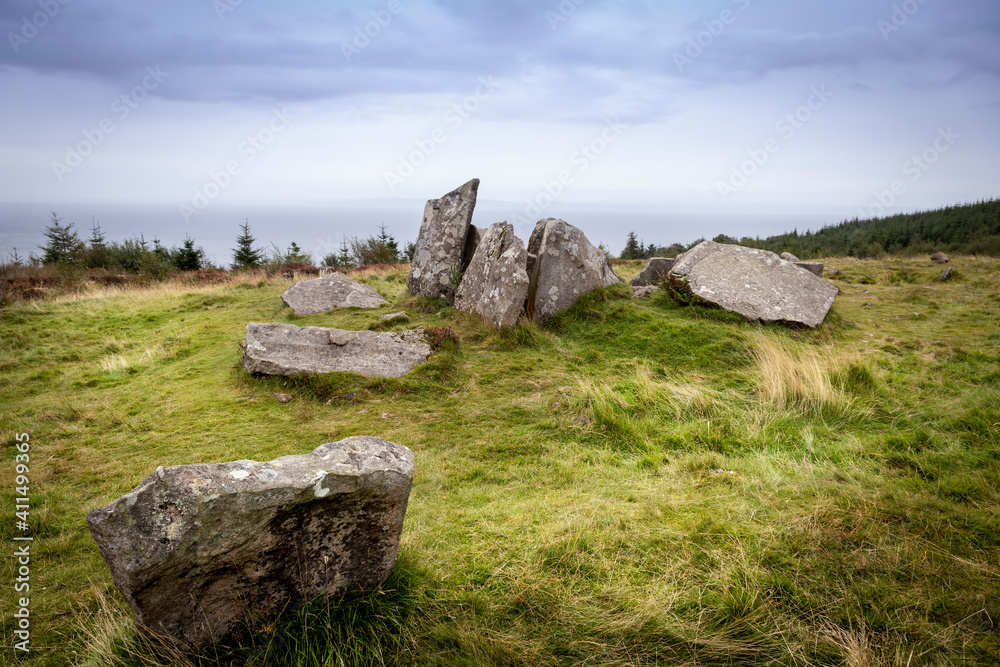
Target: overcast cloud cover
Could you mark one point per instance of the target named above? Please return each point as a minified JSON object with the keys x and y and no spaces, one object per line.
{"x":723,"y":107}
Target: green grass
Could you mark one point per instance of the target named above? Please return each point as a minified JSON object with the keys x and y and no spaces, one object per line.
{"x":637,"y":483}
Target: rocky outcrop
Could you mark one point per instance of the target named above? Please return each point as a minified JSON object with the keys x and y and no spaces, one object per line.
{"x":757,"y":284}
{"x":495,"y":285}
{"x":200,"y":551}
{"x":332,"y":291}
{"x":442,"y":241}
{"x":285,"y":349}
{"x":655,"y":272}
{"x":567,"y":266}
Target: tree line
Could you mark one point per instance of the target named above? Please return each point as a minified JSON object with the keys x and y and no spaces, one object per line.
{"x":64,"y":248}
{"x":964,"y":229}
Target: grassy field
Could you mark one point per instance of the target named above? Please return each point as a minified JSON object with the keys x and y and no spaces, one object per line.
{"x":637,"y":483}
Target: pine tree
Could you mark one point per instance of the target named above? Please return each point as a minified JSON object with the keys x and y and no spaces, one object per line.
{"x":244,"y":254}
{"x":64,"y":246}
{"x":632,"y":249}
{"x":295,"y":254}
{"x":97,"y":255}
{"x":187,"y":257}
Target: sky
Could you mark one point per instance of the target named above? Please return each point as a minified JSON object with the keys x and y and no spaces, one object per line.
{"x":731,"y":111}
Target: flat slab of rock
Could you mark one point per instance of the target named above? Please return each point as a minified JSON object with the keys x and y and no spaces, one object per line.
{"x":198,"y":551}
{"x":285,"y":349}
{"x":757,"y":284}
{"x":441,"y":243}
{"x":644,"y":291}
{"x":332,"y":291}
{"x":495,"y":285}
{"x":655,"y":272}
{"x":567,"y":266}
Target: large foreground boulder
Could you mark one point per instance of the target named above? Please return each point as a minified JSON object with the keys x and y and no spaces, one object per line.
{"x":334,"y":290}
{"x":565,"y":265}
{"x":495,"y":285}
{"x":757,"y":284}
{"x":285,"y":349}
{"x":441,"y":243}
{"x":200,"y":551}
{"x":655,"y":272}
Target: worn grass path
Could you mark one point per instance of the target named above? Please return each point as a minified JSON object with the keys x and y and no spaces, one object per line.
{"x":637,"y":483}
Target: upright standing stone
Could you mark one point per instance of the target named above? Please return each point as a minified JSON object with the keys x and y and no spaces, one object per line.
{"x":441,"y":242}
{"x":567,"y":266}
{"x":496,"y":283}
{"x":199,"y":551}
{"x":757,"y":284}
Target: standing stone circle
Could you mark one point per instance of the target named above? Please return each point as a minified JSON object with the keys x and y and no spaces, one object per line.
{"x":441,"y":243}
{"x":321,"y":295}
{"x":495,"y":285}
{"x":199,"y":551}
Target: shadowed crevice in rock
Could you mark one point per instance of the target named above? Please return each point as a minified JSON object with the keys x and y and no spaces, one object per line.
{"x":200,"y":551}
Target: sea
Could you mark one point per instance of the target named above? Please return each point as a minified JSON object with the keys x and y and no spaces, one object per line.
{"x":320,"y":229}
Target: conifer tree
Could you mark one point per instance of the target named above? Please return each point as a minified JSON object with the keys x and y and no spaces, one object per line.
{"x":244,"y":254}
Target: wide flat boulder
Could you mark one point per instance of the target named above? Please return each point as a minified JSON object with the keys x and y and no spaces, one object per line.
{"x":655,"y":272}
{"x":565,"y":266}
{"x":276,"y":348}
{"x":441,"y":242}
{"x":495,"y":284}
{"x":757,"y":284}
{"x":332,"y":291}
{"x":201,"y":551}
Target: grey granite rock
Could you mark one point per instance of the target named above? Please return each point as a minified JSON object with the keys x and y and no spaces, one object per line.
{"x":655,"y":272}
{"x":495,"y":285}
{"x":757,"y":284}
{"x":789,"y":257}
{"x":567,"y":266}
{"x":285,"y":349}
{"x":335,"y":290}
{"x":644,"y":291}
{"x":472,"y":241}
{"x":198,"y":551}
{"x":816,"y":268}
{"x":940,"y":258}
{"x":441,"y":242}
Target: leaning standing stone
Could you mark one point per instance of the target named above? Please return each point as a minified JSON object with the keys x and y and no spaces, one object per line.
{"x":495,"y":285}
{"x":201,"y":551}
{"x":334,"y":290}
{"x":441,"y":242}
